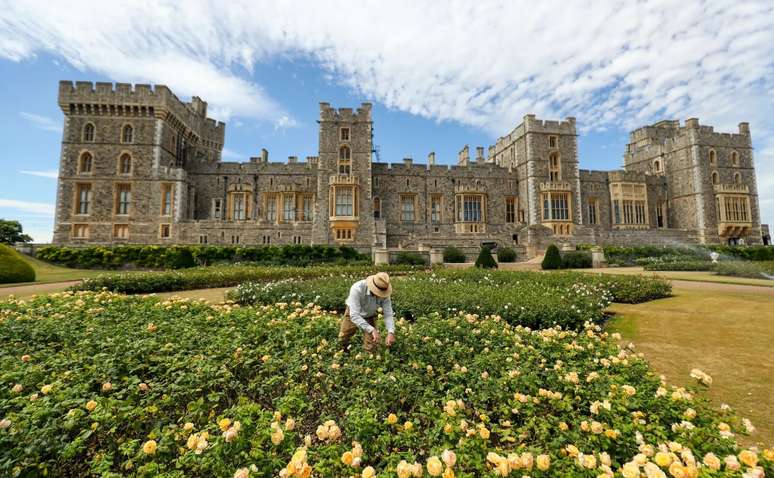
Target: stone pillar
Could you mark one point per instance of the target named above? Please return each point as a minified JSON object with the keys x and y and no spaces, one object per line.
{"x":598,"y":260}
{"x":436,"y":256}
{"x":381,"y":257}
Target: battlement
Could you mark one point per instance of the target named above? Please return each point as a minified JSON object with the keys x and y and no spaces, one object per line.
{"x":328,"y":113}
{"x":664,"y":131}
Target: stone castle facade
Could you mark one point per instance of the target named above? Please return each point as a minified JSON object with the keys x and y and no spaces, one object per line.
{"x":140,"y":166}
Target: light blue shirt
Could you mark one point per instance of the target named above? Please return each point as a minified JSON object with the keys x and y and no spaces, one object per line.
{"x":362,"y":303}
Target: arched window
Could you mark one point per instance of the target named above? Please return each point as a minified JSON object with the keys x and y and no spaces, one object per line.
{"x":657,"y":165}
{"x":735,"y":158}
{"x":88,"y":133}
{"x":712,"y":157}
{"x":125,"y":164}
{"x":84,"y":162}
{"x":554,"y":167}
{"x":715,"y":177}
{"x":127,"y":134}
{"x":737,"y":178}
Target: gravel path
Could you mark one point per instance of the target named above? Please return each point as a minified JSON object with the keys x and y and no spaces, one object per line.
{"x":24,"y":291}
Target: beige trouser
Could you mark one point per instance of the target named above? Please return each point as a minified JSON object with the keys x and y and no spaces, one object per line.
{"x":348,"y":329}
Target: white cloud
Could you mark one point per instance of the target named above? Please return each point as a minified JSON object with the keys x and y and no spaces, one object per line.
{"x":611,"y":64}
{"x":47,"y":173}
{"x":42,"y":122}
{"x":27,"y":206}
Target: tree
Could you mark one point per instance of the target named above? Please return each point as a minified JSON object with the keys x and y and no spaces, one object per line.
{"x":485,"y":259}
{"x":11,"y":232}
{"x":552,"y":259}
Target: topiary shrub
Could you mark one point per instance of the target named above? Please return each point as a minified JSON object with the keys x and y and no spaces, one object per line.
{"x":13,"y":267}
{"x":576,"y":260}
{"x":485,"y":259}
{"x":506,"y":254}
{"x":453,"y":254}
{"x":552,"y":259}
{"x":410,"y":258}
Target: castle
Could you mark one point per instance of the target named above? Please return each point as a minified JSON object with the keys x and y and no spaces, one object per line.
{"x":140,"y":166}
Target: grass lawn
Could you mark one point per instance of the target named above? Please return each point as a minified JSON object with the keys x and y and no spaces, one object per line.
{"x":725,"y":331}
{"x":694,"y":276}
{"x":45,"y":272}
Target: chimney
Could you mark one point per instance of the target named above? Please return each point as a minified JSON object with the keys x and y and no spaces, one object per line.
{"x":744,"y":128}
{"x":692,"y":123}
{"x":292,"y":159}
{"x":264,"y":155}
{"x":479,"y":154}
{"x":463,"y":156}
{"x":407,"y":162}
{"x":431,"y":158}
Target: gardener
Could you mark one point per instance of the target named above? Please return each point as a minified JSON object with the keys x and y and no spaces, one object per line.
{"x":365,"y":298}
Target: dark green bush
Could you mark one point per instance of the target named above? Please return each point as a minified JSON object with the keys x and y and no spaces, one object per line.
{"x":13,"y":267}
{"x":410,"y":258}
{"x":506,"y":254}
{"x":453,"y":254}
{"x":485,"y":259}
{"x":180,"y":257}
{"x":576,"y":260}
{"x":753,"y":270}
{"x":552,"y":259}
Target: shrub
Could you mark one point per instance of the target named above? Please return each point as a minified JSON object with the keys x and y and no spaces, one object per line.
{"x":753,"y":270}
{"x":453,"y":255}
{"x":485,"y":259}
{"x":506,"y":254}
{"x":178,"y":257}
{"x":679,"y":266}
{"x":552,"y":259}
{"x":203,"y":364}
{"x":13,"y":267}
{"x":410,"y":258}
{"x":576,"y":260}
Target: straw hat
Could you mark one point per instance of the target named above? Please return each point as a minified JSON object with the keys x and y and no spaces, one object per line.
{"x":379,"y":285}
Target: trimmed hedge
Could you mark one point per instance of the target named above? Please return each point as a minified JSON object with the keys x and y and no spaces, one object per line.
{"x":410,"y":258}
{"x":628,"y":256}
{"x":753,"y":270}
{"x":506,"y":254}
{"x":576,"y":260}
{"x":679,"y":266}
{"x":13,"y":267}
{"x":220,"y":276}
{"x":180,"y":257}
{"x":485,"y":259}
{"x":453,"y":255}
{"x":552,"y":260}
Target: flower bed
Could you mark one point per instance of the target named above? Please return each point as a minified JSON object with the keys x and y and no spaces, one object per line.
{"x":104,"y":384}
{"x":679,"y":265}
{"x":219,"y":276}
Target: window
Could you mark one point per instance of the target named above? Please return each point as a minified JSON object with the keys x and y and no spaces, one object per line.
{"x":510,"y":209}
{"x":304,"y":209}
{"x":407,"y":207}
{"x":165,"y":231}
{"x":123,"y":198}
{"x":127,"y":134}
{"x":166,"y":199}
{"x":345,"y":134}
{"x":556,"y":206}
{"x":470,"y":208}
{"x":737,"y":178}
{"x":234,"y":239}
{"x":125,"y":164}
{"x":85,"y":163}
{"x":377,"y":208}
{"x":344,"y":202}
{"x":88,"y":133}
{"x":80,"y":231}
{"x":239,"y":206}
{"x":436,"y":208}
{"x":553,"y":141}
{"x":661,"y":214}
{"x":592,"y":207}
{"x":554,"y":167}
{"x":344,"y":234}
{"x":713,"y":159}
{"x":83,"y":202}
{"x":266,"y":239}
{"x":271,"y":207}
{"x":120,"y":231}
{"x":345,"y":161}
{"x":288,"y":207}
{"x":735,"y":209}
{"x":734,"y":159}
{"x":203,"y":239}
{"x":296,"y":239}
{"x":715,"y":177}
{"x":657,"y":165}
{"x":217,"y":208}
{"x":629,"y":204}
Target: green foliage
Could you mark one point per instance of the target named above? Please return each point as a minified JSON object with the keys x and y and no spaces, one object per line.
{"x":506,"y":254}
{"x":485,"y":259}
{"x":658,"y":265}
{"x":576,"y":260}
{"x":200,"y":364}
{"x":552,"y":259}
{"x":629,"y":256}
{"x":178,"y":257}
{"x":219,"y":276}
{"x":13,"y":267}
{"x":453,"y":255}
{"x":410,"y":258}
{"x":753,"y":270}
{"x":11,"y":232}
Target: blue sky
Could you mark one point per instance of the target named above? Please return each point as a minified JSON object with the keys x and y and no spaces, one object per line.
{"x":439,"y":78}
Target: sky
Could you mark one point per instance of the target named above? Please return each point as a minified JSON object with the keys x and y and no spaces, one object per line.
{"x":439,"y":74}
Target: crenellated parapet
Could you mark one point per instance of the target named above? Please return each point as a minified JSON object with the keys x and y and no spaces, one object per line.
{"x":361,"y":114}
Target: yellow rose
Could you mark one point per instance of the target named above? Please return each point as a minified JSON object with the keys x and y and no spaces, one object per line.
{"x":589,"y":461}
{"x":748,"y":457}
{"x":46,"y":389}
{"x":596,"y":428}
{"x":417,"y":471}
{"x":107,"y":386}
{"x":448,"y":428}
{"x":712,"y":461}
{"x":392,"y":419}
{"x":17,"y":388}
{"x":347,"y":458}
{"x":403,"y":469}
{"x":449,"y":457}
{"x":242,"y":473}
{"x":631,"y":470}
{"x":484,"y":432}
{"x":277,"y":437}
{"x":543,"y":462}
{"x":677,"y":470}
{"x":663,"y":459}
{"x":149,"y":447}
{"x":25,"y":358}
{"x":290,"y":424}
{"x":563,"y":426}
{"x":768,"y":453}
{"x":434,"y":466}
{"x":572,"y":450}
{"x":448,"y":473}
{"x":188,"y":426}
{"x":91,"y":405}
{"x":368,"y":472}
{"x":224,"y":423}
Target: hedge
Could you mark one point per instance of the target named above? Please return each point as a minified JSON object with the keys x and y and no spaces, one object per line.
{"x":13,"y":267}
{"x":552,"y":259}
{"x":485,"y":259}
{"x":754,"y":270}
{"x":453,"y":255}
{"x":220,"y":276}
{"x":628,"y":256}
{"x":179,"y":257}
{"x":410,"y":258}
{"x":576,"y":260}
{"x":506,"y":254}
{"x":679,"y":266}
